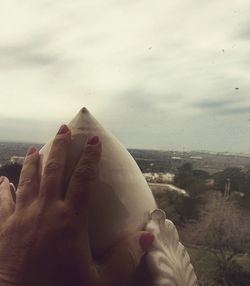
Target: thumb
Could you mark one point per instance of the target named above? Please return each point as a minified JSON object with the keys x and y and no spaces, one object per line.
{"x":126,"y":256}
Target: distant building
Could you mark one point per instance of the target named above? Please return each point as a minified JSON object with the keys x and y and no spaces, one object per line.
{"x":17,"y":160}
{"x":159,"y":177}
{"x":162,"y":188}
{"x":196,"y":157}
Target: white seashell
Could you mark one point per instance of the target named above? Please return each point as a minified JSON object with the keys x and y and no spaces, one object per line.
{"x":122,"y":200}
{"x":168,"y":260}
{"x":122,"y":203}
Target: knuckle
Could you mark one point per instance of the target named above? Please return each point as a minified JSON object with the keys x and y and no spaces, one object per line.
{"x":51,"y":166}
{"x":85,"y":172}
{"x":93,"y":154}
{"x":21,"y":195}
{"x":60,"y":141}
{"x":29,"y":160}
{"x":63,"y":214}
{"x":62,"y":210}
{"x":25,"y":183}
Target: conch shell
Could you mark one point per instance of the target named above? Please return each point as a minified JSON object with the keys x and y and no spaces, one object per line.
{"x":121,"y":203}
{"x":121,"y":200}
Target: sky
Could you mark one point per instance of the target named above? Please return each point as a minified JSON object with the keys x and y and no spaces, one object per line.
{"x":169,"y":75}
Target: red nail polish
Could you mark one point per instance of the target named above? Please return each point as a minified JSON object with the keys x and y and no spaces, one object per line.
{"x":31,"y":150}
{"x":93,"y":140}
{"x":63,"y":129}
{"x":146,"y":241}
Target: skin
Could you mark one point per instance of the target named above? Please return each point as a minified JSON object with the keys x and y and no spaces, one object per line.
{"x":44,"y":234}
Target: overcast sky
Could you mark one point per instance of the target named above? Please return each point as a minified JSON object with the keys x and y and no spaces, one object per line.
{"x":159,"y":74}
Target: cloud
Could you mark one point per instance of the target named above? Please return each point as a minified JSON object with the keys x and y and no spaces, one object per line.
{"x":224,"y":108}
{"x":167,"y":72}
{"x":27,"y":130}
{"x":231,"y":104}
{"x":25,"y":54}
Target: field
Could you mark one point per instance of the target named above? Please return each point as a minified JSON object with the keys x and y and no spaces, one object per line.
{"x":204,"y":263}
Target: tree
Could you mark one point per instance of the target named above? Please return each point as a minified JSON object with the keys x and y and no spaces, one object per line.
{"x":236,"y":176}
{"x":178,"y":208}
{"x":184,"y":177}
{"x":193,"y":181}
{"x":165,"y":202}
{"x":224,"y":230}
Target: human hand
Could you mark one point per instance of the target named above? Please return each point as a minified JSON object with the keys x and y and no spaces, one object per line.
{"x":44,"y":235}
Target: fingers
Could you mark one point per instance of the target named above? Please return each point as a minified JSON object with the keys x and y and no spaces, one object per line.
{"x":13,"y":191}
{"x":7,"y":205}
{"x":52,"y":182}
{"x":27,"y":189}
{"x":126,"y":257}
{"x":82,"y":179}
{"x":77,"y":197}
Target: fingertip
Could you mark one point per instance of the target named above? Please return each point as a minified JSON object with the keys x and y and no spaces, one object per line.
{"x":93,"y":148}
{"x":31,"y":150}
{"x":127,"y":256}
{"x":94,"y":140}
{"x":146,"y":241}
{"x":93,"y":143}
{"x":3,"y":179}
{"x":63,"y":129}
{"x":32,"y":156}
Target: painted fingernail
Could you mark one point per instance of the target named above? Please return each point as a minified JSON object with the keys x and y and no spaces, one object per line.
{"x":146,"y":241}
{"x":63,"y":129}
{"x":1,"y":179}
{"x":93,"y":140}
{"x":31,"y":150}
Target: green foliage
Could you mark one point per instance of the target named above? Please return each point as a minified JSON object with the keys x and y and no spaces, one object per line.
{"x":239,"y":185}
{"x":184,"y":177}
{"x":236,"y":176}
{"x":179,"y":208}
{"x":193,"y":181}
{"x":169,"y":202}
{"x":212,"y":273}
{"x":200,"y":174}
{"x":231,"y":274}
{"x":224,"y":229}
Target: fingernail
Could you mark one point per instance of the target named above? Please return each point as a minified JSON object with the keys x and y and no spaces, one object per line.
{"x":1,"y":179}
{"x":63,"y":129}
{"x":31,"y":150}
{"x":93,"y":140}
{"x":146,"y":241}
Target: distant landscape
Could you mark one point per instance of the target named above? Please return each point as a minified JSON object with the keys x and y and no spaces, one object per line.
{"x":206,"y":195}
{"x":9,"y":149}
{"x":155,"y":160}
{"x":167,"y":161}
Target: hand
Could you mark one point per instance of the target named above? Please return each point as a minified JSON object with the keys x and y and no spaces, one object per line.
{"x":44,"y":235}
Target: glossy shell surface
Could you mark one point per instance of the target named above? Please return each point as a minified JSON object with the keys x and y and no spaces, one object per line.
{"x":121,"y":200}
{"x":168,"y":260}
